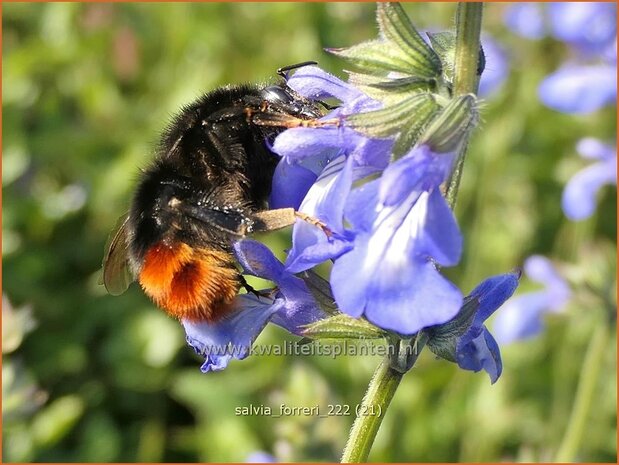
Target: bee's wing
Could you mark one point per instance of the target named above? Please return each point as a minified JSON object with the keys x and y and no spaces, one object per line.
{"x":116,"y":273}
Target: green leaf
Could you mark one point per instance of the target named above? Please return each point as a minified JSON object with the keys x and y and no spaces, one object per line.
{"x":396,"y":27}
{"x":342,"y":326}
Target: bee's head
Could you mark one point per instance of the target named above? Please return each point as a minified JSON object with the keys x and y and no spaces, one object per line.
{"x":283,"y":97}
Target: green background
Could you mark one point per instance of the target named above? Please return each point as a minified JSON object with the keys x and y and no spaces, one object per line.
{"x":91,"y":377}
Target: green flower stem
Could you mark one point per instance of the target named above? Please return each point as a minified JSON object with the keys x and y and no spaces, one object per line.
{"x":585,"y":393}
{"x":466,"y":80}
{"x":371,"y":412}
{"x":377,"y":398}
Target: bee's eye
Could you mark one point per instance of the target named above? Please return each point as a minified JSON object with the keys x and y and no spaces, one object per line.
{"x":276,"y":94}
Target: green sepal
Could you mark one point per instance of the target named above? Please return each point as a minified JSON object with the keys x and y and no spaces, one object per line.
{"x":391,"y":91}
{"x":444,"y":44}
{"x":376,"y":57}
{"x":405,"y":119}
{"x":452,"y":126}
{"x":396,"y":27}
{"x":342,"y":326}
{"x":442,"y":339}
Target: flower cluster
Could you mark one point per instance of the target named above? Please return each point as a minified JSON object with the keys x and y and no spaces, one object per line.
{"x":375,"y":182}
{"x":585,"y":83}
{"x":588,"y":80}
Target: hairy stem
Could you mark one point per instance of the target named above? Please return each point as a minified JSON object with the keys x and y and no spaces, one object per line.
{"x":466,"y":79}
{"x":389,"y":373}
{"x":370,"y":413}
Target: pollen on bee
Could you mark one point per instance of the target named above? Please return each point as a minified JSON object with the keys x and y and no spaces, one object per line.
{"x":189,"y":283}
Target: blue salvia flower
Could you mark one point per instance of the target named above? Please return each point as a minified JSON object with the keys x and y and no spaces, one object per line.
{"x":496,"y":69}
{"x":291,"y":307}
{"x":402,"y":227}
{"x":588,"y":27}
{"x":588,"y":81}
{"x":465,"y":339}
{"x":579,"y":195}
{"x":319,"y":165}
{"x":521,"y":317}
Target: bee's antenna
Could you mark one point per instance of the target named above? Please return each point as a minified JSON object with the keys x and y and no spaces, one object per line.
{"x":283,"y":71}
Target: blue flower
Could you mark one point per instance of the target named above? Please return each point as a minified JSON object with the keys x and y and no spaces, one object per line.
{"x":319,"y":165}
{"x":291,"y":307}
{"x":525,"y":19}
{"x":496,"y":69}
{"x":465,"y":339}
{"x":588,"y":81}
{"x":579,"y":196}
{"x":260,"y":457}
{"x":589,"y":27}
{"x":576,"y":88}
{"x":402,"y":228}
{"x":521,"y":318}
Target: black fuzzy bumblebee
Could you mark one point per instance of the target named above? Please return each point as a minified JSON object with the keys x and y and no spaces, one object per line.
{"x":207,"y":186}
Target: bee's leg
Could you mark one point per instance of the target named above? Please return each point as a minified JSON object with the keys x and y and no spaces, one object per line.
{"x":315,"y":221}
{"x":271,"y":220}
{"x":282,"y":120}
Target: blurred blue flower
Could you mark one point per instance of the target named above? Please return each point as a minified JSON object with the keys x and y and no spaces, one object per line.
{"x":578,"y":88}
{"x":579,"y":196}
{"x":525,"y":19}
{"x":496,"y":69}
{"x":589,"y":27}
{"x":588,"y":81}
{"x":402,"y":227}
{"x":291,"y":307}
{"x":465,"y":339}
{"x":521,"y":317}
{"x":260,"y":457}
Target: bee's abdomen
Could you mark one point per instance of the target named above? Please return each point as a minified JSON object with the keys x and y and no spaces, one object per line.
{"x":196,"y":284}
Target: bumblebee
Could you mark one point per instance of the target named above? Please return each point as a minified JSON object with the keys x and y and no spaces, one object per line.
{"x":207,"y":187}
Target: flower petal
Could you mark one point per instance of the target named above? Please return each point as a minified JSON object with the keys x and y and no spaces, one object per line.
{"x":324,"y":201}
{"x":291,"y":182}
{"x":231,"y":337}
{"x":257,"y":260}
{"x":492,"y":293}
{"x":395,"y":292}
{"x":478,"y":350}
{"x":299,"y":308}
{"x":439,"y":237}
{"x":322,"y":143}
{"x":316,"y":84}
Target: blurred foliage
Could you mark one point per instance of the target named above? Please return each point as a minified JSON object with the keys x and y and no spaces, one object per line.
{"x":90,"y":377}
